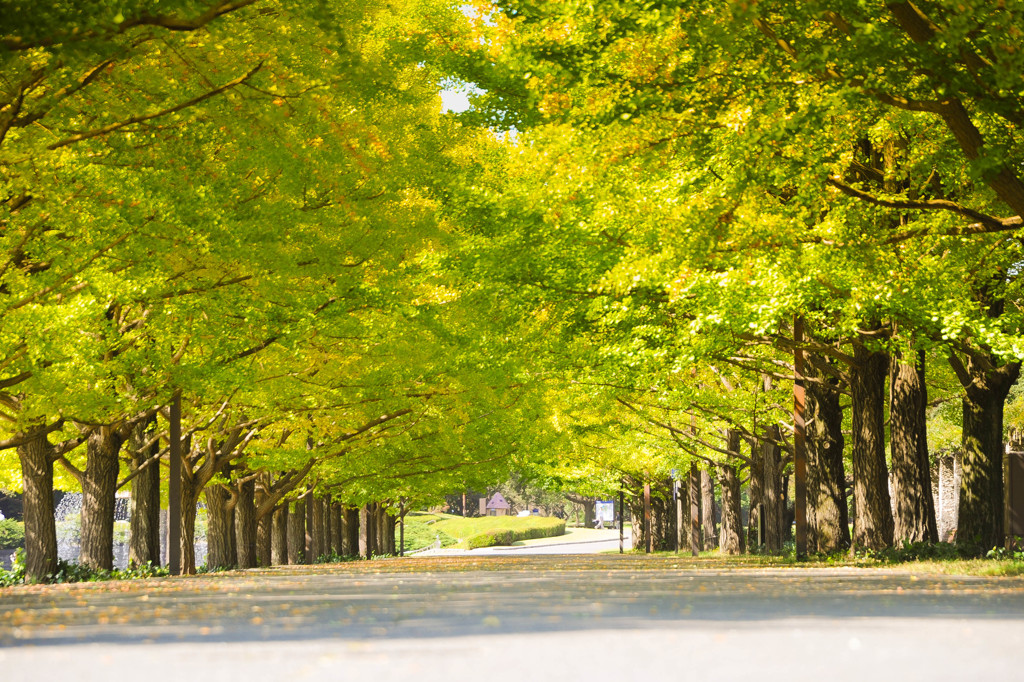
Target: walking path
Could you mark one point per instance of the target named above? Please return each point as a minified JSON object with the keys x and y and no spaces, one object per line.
{"x":519,"y":617}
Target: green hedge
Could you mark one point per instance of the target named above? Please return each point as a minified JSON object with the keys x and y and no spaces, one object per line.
{"x":12,"y":534}
{"x":542,"y":528}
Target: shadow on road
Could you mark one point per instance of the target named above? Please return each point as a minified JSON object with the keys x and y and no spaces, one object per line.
{"x":446,"y":597}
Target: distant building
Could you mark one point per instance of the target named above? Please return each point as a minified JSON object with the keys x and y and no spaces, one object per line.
{"x":497,"y":506}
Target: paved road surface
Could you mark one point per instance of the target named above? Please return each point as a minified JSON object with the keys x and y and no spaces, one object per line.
{"x":575,"y":541}
{"x":519,"y":618}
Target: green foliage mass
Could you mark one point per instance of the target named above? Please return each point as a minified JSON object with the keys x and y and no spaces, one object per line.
{"x":12,"y":534}
{"x":259,"y":206}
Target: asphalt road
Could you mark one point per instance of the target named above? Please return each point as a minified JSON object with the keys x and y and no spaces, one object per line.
{"x":519,"y":618}
{"x":575,"y":541}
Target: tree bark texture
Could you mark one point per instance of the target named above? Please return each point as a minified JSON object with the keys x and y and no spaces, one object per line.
{"x":325,"y":538}
{"x":382,"y":530}
{"x":731,"y":534}
{"x":708,"y":511}
{"x":189,"y":500}
{"x":309,"y":557}
{"x":279,"y":536}
{"x":318,"y":527}
{"x":328,"y":527}
{"x":980,"y":522}
{"x":368,"y":532}
{"x":695,"y":503}
{"x":144,"y":517}
{"x":914,"y":517}
{"x":220,"y":529}
{"x":297,"y":533}
{"x":264,"y":521}
{"x":389,"y":525}
{"x":350,"y":537}
{"x":771,"y":492}
{"x":245,"y":525}
{"x":337,"y":530}
{"x":755,"y":494}
{"x":36,"y":456}
{"x":873,"y":526}
{"x":99,"y":485}
{"x":264,"y":538}
{"x":829,"y":522}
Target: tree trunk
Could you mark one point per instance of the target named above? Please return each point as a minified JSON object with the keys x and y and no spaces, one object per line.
{"x":911,"y":479}
{"x":297,"y":533}
{"x":383,"y":545}
{"x":662,"y":518}
{"x":771,"y":463}
{"x":981,"y":474}
{"x":309,"y":557}
{"x":372,"y":531}
{"x":693,"y":494}
{"x":588,"y":513}
{"x":279,"y":541}
{"x":731,"y":536}
{"x":708,"y":511}
{"x":36,"y":456}
{"x":144,"y":517}
{"x":873,"y":527}
{"x":99,"y":485}
{"x":328,"y":527}
{"x":325,"y":540}
{"x":189,"y":500}
{"x":755,"y":493}
{"x":265,"y":521}
{"x":351,"y":536}
{"x":318,"y":527}
{"x":264,"y":532}
{"x":826,"y":480}
{"x":220,"y":550}
{"x":392,"y":527}
{"x":368,"y":530}
{"x":337,"y":530}
{"x":245,"y":525}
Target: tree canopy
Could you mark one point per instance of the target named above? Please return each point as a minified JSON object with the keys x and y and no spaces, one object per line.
{"x":594,"y":277}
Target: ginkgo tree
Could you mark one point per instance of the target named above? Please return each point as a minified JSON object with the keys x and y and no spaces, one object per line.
{"x":769,"y":167}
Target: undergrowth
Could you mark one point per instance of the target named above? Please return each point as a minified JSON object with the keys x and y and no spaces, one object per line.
{"x":70,"y":572}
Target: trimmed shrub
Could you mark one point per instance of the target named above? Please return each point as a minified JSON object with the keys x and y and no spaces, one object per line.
{"x":12,"y":534}
{"x":541,"y":528}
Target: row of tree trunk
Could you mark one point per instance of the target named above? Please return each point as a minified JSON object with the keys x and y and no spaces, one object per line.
{"x":891,"y":506}
{"x":310,"y":530}
{"x":249,"y":524}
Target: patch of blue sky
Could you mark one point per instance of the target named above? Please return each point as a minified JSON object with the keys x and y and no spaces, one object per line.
{"x":455,"y":95}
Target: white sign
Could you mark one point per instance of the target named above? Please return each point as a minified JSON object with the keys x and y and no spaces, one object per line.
{"x":605,"y":511}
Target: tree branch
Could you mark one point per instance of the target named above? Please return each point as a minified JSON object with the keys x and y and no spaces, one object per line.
{"x":992,"y":222}
{"x":97,"y":132}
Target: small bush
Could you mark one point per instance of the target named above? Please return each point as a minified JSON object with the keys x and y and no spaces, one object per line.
{"x":1003,"y":553}
{"x":16,"y":575}
{"x":12,"y":534}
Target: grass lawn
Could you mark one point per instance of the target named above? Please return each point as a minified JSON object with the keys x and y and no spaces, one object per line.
{"x":972,"y":567}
